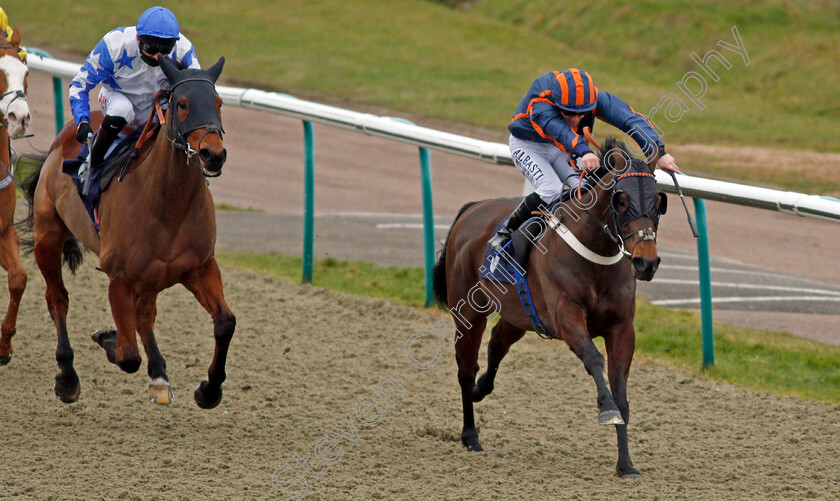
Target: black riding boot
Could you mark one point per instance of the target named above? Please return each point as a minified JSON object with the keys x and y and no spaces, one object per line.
{"x":109,"y":131}
{"x":521,"y":214}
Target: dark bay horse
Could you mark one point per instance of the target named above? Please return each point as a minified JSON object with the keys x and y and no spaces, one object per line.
{"x":157,"y":229}
{"x":577,"y":298}
{"x":14,"y":119}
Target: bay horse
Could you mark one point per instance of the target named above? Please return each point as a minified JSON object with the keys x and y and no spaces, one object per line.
{"x":577,"y":298}
{"x":157,"y":229}
{"x":14,"y":120}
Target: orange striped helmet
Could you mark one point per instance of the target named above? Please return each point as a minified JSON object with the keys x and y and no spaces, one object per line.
{"x":577,"y":92}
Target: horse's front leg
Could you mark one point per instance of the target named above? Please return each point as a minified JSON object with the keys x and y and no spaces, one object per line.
{"x":570,"y":321}
{"x":10,"y":260}
{"x":620,"y":341}
{"x":123,"y":307}
{"x":159,"y":390}
{"x":206,"y":284}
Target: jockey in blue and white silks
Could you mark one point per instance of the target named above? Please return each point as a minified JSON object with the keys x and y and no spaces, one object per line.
{"x":125,"y":63}
{"x":546,"y":133}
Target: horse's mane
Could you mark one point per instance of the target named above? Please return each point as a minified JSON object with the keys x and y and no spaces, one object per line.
{"x":607,"y":158}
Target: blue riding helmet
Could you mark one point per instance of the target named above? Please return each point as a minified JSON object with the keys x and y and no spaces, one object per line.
{"x":158,"y":22}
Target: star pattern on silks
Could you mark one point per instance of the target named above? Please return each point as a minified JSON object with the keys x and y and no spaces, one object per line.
{"x":125,"y":60}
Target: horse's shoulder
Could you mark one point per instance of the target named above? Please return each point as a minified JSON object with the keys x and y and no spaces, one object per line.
{"x":66,"y":139}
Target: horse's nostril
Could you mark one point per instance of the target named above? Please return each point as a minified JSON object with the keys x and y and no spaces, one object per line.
{"x":12,"y":116}
{"x":639,"y":263}
{"x":205,"y":155}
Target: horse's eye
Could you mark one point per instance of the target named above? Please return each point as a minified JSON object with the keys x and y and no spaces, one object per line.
{"x":182,"y":105}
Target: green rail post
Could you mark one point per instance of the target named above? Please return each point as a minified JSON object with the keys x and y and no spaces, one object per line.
{"x":308,"y":200}
{"x":428,"y":216}
{"x":705,"y":283}
{"x":58,"y":95}
{"x":428,"y":221}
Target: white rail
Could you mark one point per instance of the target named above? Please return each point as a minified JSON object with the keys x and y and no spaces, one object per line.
{"x":799,"y":204}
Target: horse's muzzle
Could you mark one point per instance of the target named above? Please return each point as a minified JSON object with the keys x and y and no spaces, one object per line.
{"x":18,"y":122}
{"x":644,"y":268}
{"x":212,"y":161}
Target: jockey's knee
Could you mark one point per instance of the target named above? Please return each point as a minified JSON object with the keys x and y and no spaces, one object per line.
{"x":549,"y":193}
{"x":118,"y":108}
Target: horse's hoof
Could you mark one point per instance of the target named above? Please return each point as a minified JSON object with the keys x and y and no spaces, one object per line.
{"x":107,"y":339}
{"x":470,"y":441}
{"x":5,"y":359}
{"x":628,"y":473}
{"x":130,"y":366}
{"x":610,"y":417}
{"x":159,"y":391}
{"x":207,"y":398}
{"x":67,"y":393}
{"x":482,"y":388}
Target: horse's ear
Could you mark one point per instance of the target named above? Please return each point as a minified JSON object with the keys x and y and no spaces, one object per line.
{"x":168,"y":68}
{"x":216,"y":70}
{"x":15,"y":40}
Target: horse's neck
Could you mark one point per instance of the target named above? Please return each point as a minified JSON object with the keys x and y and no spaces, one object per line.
{"x":170,"y":185}
{"x":5,"y":154}
{"x":589,"y":228}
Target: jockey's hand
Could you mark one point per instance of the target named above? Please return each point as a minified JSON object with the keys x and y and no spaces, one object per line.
{"x":82,"y":132}
{"x":667,"y":163}
{"x":589,"y":162}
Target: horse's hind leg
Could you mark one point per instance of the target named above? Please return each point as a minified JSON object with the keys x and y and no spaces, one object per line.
{"x":621,"y":343}
{"x":49,"y":240}
{"x":10,"y":260}
{"x":206,"y":284}
{"x":503,"y":335}
{"x":572,"y":324}
{"x":468,"y":340}
{"x":159,"y":389}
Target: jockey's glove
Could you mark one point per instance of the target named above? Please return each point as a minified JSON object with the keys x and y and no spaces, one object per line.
{"x":82,"y":132}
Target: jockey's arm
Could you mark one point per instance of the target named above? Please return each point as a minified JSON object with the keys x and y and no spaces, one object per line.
{"x":98,"y":66}
{"x":619,"y":114}
{"x":185,"y":53}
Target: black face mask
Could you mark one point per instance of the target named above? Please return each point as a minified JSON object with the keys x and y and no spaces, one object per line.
{"x":198,"y":88}
{"x":154,"y":46}
{"x":643,"y":197}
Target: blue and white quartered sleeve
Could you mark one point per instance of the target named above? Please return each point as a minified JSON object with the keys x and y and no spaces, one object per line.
{"x":185,"y":53}
{"x":98,"y":67}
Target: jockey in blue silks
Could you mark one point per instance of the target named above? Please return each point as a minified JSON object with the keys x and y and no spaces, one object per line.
{"x":125,"y":63}
{"x":545,"y":134}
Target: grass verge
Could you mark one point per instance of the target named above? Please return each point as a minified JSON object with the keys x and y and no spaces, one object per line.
{"x":473,"y":66}
{"x":757,"y":359}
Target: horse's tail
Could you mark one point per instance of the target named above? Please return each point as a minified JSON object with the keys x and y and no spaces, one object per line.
{"x":25,"y":226}
{"x":71,"y":251}
{"x":439,"y":269}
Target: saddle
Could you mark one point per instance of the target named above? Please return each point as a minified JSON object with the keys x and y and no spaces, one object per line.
{"x":129,"y":150}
